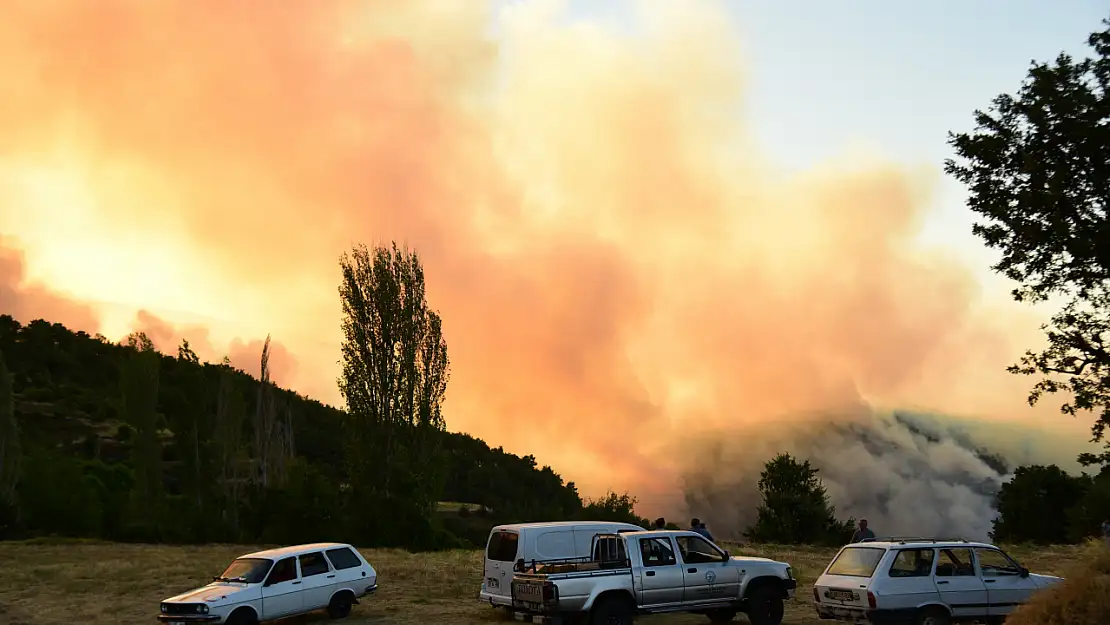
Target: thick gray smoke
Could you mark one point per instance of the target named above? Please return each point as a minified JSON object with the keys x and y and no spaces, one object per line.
{"x":907,"y":474}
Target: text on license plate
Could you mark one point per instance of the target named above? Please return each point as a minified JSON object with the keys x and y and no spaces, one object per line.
{"x":842,"y":595}
{"x":529,"y":590}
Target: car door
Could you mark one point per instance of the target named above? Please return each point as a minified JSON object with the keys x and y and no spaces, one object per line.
{"x":958,"y":584}
{"x":1006,"y":588}
{"x":317,"y":581}
{"x":662,"y":574}
{"x":281,"y":593}
{"x":501,"y":552}
{"x":706,"y":574}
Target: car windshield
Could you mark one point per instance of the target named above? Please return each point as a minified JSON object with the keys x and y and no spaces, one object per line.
{"x":249,"y":570}
{"x":856,"y":561}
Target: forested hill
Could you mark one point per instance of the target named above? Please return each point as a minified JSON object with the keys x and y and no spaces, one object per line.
{"x":225,"y":469}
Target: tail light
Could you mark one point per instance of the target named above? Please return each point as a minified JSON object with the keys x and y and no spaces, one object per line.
{"x":550,"y":593}
{"x":816,"y":596}
{"x":870,"y":599}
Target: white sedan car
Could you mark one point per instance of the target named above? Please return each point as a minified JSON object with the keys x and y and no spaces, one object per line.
{"x":277,"y":583}
{"x":923,"y":582}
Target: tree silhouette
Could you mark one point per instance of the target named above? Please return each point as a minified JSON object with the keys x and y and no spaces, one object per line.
{"x":1038,"y":170}
{"x":395,"y":373}
{"x":795,"y":508}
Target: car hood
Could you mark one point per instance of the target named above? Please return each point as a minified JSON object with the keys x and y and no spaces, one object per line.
{"x":216,"y":592}
{"x":1043,"y":581}
{"x":754,"y":560}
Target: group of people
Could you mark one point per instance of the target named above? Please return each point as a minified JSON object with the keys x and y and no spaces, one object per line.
{"x":696,"y":525}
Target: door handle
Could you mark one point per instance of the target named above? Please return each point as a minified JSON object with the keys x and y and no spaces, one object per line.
{"x":297,"y":582}
{"x":942,"y":582}
{"x":650,"y":574}
{"x":330,"y":576}
{"x":691,"y":570}
{"x":988,"y":581}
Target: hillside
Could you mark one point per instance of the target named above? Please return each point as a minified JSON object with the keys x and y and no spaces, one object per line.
{"x":79,"y":474}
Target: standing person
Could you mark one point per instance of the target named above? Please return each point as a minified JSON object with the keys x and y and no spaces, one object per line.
{"x":862,"y":532}
{"x":697,"y":526}
{"x":660,"y":523}
{"x":1106,"y":531}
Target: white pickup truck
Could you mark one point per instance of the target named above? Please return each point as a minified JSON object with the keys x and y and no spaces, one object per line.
{"x":651,"y":572}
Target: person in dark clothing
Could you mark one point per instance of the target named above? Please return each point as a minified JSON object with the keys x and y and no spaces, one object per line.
{"x":862,"y":532}
{"x":660,"y":523}
{"x":697,"y":526}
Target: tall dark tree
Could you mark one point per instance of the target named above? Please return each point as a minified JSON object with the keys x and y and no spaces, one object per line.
{"x":796,"y":508}
{"x":395,"y":373}
{"x":1038,"y":168}
{"x":11,"y":456}
{"x":189,"y":420}
{"x":231,"y":416}
{"x":1033,"y":505}
{"x":139,"y":378}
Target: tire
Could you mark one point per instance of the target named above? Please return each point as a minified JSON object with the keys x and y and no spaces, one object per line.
{"x":340,"y":605}
{"x":242,"y":616}
{"x":611,"y":611}
{"x":721,"y":615}
{"x":933,"y":616}
{"x":765,"y":606}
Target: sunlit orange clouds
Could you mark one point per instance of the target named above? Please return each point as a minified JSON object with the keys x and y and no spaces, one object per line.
{"x":617,"y":265}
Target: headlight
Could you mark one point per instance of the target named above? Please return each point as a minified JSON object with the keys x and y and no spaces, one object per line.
{"x":163,"y":608}
{"x":203,"y":609}
{"x":789,"y":573}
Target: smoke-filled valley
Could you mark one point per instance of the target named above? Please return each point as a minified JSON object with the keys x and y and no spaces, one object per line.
{"x":908,"y":474}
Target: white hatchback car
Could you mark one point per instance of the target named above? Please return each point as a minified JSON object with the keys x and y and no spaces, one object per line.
{"x":923,"y":582}
{"x":277,"y":583}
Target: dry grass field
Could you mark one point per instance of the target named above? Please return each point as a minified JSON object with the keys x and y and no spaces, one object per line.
{"x":56,"y":583}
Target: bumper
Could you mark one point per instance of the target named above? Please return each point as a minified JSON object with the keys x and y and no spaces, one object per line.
{"x":369,"y":590}
{"x":494,"y":600}
{"x":871,"y":617}
{"x":189,"y":618}
{"x":541,"y":619}
{"x":791,"y":586}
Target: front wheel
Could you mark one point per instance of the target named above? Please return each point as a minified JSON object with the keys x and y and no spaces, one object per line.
{"x":611,"y":612}
{"x":765,"y":606}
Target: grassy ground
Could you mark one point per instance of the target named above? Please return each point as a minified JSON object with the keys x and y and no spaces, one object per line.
{"x":44,"y":584}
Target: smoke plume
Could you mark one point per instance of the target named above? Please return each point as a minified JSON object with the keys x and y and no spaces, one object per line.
{"x":620,"y":268}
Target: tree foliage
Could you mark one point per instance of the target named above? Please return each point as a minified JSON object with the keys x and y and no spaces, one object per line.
{"x":795,"y":508}
{"x":11,"y":453}
{"x":1038,"y":169}
{"x":395,"y":373}
{"x":1045,"y":505}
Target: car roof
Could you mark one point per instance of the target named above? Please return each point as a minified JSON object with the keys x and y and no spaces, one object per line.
{"x":661,"y":533}
{"x":920,"y":543}
{"x":292,"y":550}
{"x":517,"y":526}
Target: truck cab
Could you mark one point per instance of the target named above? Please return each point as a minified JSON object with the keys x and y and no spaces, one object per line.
{"x":649,"y":572}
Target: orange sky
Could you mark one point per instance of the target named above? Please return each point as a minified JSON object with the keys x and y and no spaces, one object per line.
{"x":616,"y":263}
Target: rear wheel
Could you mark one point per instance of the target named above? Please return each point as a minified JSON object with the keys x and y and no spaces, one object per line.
{"x":721,"y":615}
{"x":612,"y":611}
{"x":765,"y":606}
{"x":340,"y":606}
{"x":933,"y":616}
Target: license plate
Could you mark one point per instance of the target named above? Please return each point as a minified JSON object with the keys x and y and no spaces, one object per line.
{"x":528,"y":590}
{"x":491,"y":582}
{"x":842,"y":595}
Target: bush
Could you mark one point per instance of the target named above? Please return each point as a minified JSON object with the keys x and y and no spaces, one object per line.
{"x":1083,"y":598}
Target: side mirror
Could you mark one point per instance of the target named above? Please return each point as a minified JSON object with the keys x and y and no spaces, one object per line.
{"x":728,"y":556}
{"x":1024,"y":572}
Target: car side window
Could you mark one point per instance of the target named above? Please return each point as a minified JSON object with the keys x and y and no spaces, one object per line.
{"x":697,"y":550}
{"x":657,"y":552}
{"x":993,"y":563}
{"x":955,"y":563}
{"x":342,"y":558}
{"x":284,"y":571}
{"x":912,"y":563}
{"x":313,"y":564}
